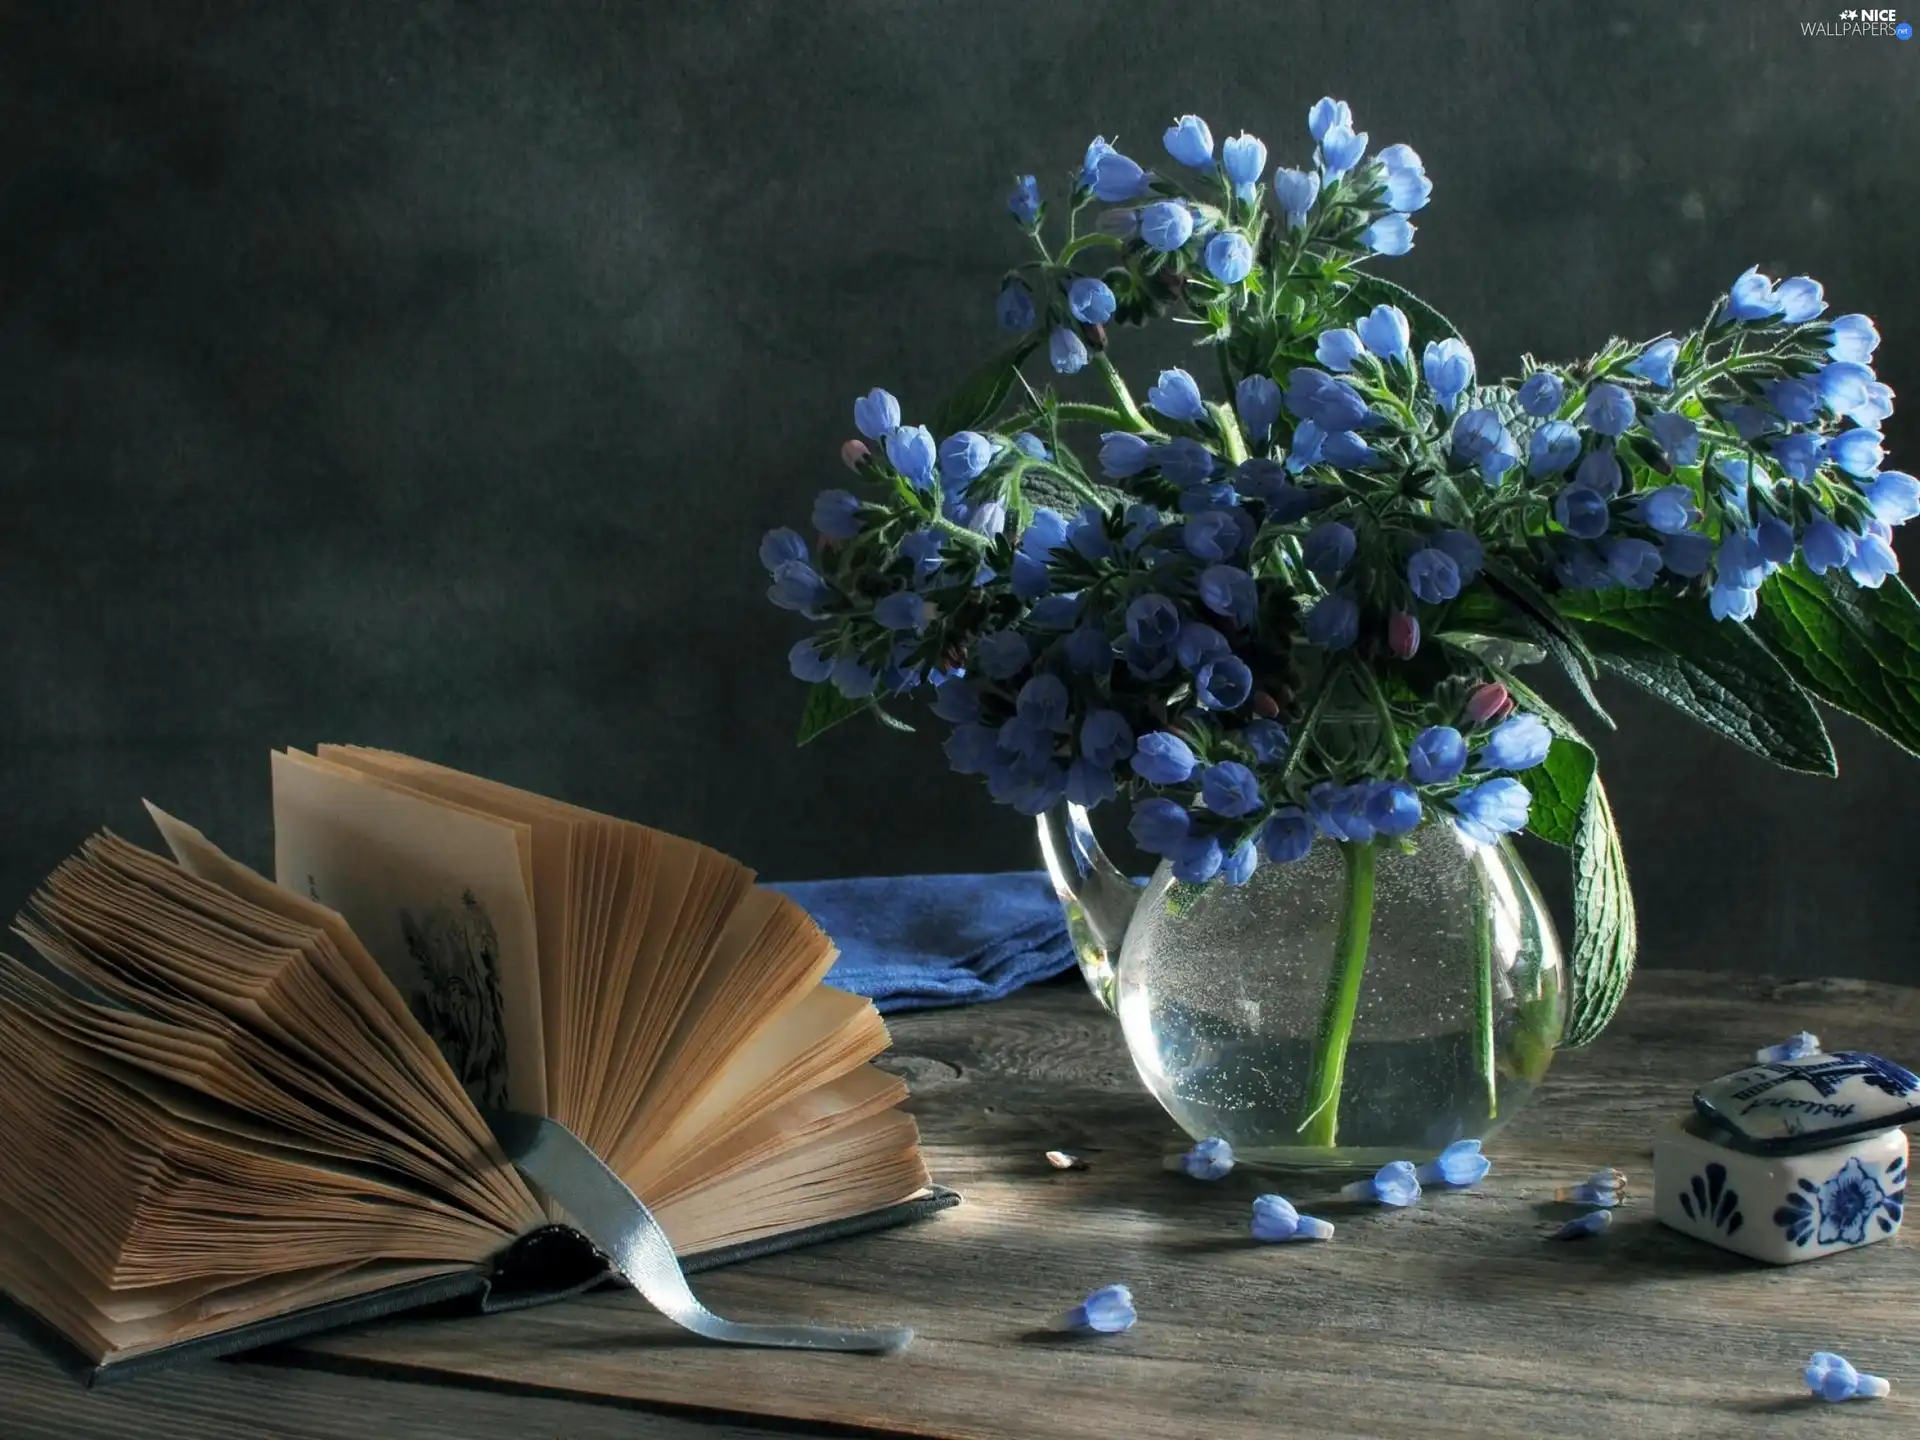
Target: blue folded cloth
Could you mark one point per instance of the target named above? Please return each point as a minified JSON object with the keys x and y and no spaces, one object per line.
{"x":913,"y":942}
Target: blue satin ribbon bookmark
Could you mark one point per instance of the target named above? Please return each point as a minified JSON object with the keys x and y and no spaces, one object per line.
{"x":612,"y":1217}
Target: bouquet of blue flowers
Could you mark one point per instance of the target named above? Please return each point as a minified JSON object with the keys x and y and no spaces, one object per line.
{"x":1283,"y":598}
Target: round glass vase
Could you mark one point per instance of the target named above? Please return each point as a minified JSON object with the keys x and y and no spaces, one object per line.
{"x":1368,"y":1003}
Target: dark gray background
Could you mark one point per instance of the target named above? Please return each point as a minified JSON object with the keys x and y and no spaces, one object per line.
{"x":423,"y":375}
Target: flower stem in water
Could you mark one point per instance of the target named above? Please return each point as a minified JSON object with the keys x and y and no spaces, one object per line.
{"x":1483,"y":989}
{"x":1321,"y":1127}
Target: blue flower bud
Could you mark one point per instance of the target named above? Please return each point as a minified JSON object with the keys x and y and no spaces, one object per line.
{"x":1581,"y":511}
{"x":1189,"y":141}
{"x":807,"y":663}
{"x":1749,"y":421}
{"x":1328,"y":549}
{"x":1166,"y":225}
{"x":1389,"y":235}
{"x":1229,"y":591}
{"x":1347,"y":451}
{"x":1774,"y":539}
{"x":1002,"y":654}
{"x":1257,"y":399}
{"x":1046,"y":531}
{"x":1408,"y":187}
{"x":1209,"y":1159}
{"x":1845,"y":386}
{"x":1326,"y":113}
{"x":1433,"y":576}
{"x":1117,"y":178}
{"x":1176,"y":396}
{"x":1224,"y":684}
{"x":903,"y":610}
{"x":1240,"y":864}
{"x":1794,"y":1047}
{"x":1518,"y":743}
{"x":1448,"y":366}
{"x":1333,"y":623}
{"x":1067,"y":351}
{"x":1466,"y":550}
{"x":876,"y":414}
{"x":972,"y":750}
{"x":1827,"y":546}
{"x":1245,"y":159}
{"x":1480,"y":439}
{"x":1609,"y":409}
{"x":1542,"y":394}
{"x":1090,"y":166}
{"x":1459,"y":1165}
{"x":1105,"y":738}
{"x":1555,"y":446}
{"x":1594,"y":1222}
{"x":1042,"y":703}
{"x":1199,"y":860}
{"x":778,"y":547}
{"x":1797,"y":400}
{"x":1385,"y":332}
{"x":1894,"y":496}
{"x":1123,"y":454}
{"x":796,"y":587}
{"x":1331,"y":404}
{"x":965,"y":455}
{"x":1014,"y":309}
{"x":1393,"y":809}
{"x":1687,"y":554}
{"x":1800,"y":299}
{"x":1183,"y":462}
{"x":923,"y":548}
{"x":1024,"y":203}
{"x":1088,"y":785}
{"x":1599,"y":471}
{"x":1338,"y":349}
{"x":1287,"y":836}
{"x":911,"y":449}
{"x":1090,"y":301}
{"x":1153,"y":620}
{"x":1858,"y":452}
{"x":1752,"y":297}
{"x":1275,"y":1221}
{"x":1677,"y":435}
{"x":852,"y":679}
{"x":1107,"y":1310}
{"x":1229,"y":257}
{"x":1295,"y":191}
{"x":1852,"y":337}
{"x":1341,"y":149}
{"x":1088,"y":651}
{"x":1229,"y":789}
{"x":1668,"y":510}
{"x":1740,"y":562}
{"x":1834,"y":1379}
{"x":1488,"y":811}
{"x":1576,"y":567}
{"x":955,"y":702}
{"x":1873,"y":559}
{"x":1396,"y":1183}
{"x":1655,"y":364}
{"x":1087,"y":535}
{"x":1438,"y":754}
{"x":1267,"y":739}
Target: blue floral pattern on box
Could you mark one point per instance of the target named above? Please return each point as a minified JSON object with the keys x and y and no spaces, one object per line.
{"x":1838,"y":1210}
{"x":1708,"y":1200}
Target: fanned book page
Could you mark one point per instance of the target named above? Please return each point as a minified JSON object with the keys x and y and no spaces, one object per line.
{"x":241,"y":1107}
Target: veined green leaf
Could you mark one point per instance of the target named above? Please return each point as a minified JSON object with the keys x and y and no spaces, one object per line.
{"x":1605,"y":930}
{"x":982,"y":393}
{"x":826,"y":707}
{"x":1856,"y":649}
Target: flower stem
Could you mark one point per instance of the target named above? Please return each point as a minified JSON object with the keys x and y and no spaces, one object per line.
{"x":1321,"y":1127}
{"x":1483,"y":1059}
{"x":1121,"y":395}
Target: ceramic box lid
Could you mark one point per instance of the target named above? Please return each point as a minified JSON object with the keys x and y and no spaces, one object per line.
{"x":1817,"y":1100}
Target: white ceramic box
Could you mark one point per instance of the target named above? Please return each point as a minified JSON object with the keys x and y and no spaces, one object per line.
{"x":1790,"y":1160}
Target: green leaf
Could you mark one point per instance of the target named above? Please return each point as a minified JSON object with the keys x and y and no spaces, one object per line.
{"x":826,"y":707}
{"x":1856,"y":649}
{"x":1605,"y":933}
{"x":1423,"y":320}
{"x":1541,"y":616}
{"x":1715,"y":671}
{"x":981,"y":395}
{"x":891,"y":721}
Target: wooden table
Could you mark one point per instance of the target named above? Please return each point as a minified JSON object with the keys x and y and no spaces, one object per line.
{"x":1454,"y":1318}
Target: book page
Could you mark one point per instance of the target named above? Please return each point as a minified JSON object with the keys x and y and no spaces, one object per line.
{"x":441,"y":897}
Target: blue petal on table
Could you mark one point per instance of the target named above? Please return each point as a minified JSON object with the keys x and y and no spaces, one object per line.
{"x":914,"y":942}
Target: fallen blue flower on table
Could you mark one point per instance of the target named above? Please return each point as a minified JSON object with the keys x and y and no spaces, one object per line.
{"x":1594,"y":1222}
{"x":1209,"y":1159}
{"x":1107,"y":1311}
{"x":1395,"y":1183}
{"x":1831,"y":1378}
{"x":1460,"y":1164}
{"x":1798,"y":1047}
{"x":1275,"y":1220}
{"x":1605,"y":1188}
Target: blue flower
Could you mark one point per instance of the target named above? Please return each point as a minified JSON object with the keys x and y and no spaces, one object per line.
{"x":1774,"y":537}
{"x":1384,"y":331}
{"x":1668,"y":510}
{"x":1089,"y":785}
{"x":1331,"y":404}
{"x":1480,"y":439}
{"x":852,"y":679}
{"x":1576,"y":567}
{"x":807,"y":663}
{"x":1166,"y":225}
{"x":903,"y":610}
{"x":1609,"y":410}
{"x":1014,"y":309}
{"x":973,"y":750}
{"x":1448,"y":366}
{"x":1338,"y":349}
{"x":1043,"y":703}
{"x":1045,"y":532}
{"x":1199,"y":860}
{"x":923,"y":548}
{"x":1341,"y":149}
{"x":1024,"y":203}
{"x":1752,"y":297}
{"x":1087,"y":535}
{"x":1634,"y":563}
{"x":1594,"y":1222}
{"x":1655,"y":364}
{"x":1326,"y":113}
{"x":1333,"y":623}
{"x":1393,"y":808}
{"x":1599,"y":471}
{"x":1800,"y":299}
{"x":778,"y":547}
{"x":1727,"y":601}
{"x":1244,"y":158}
{"x":1395,"y":1183}
{"x":1090,"y":301}
{"x":1163,"y":758}
{"x":1459,"y":1165}
{"x":1189,"y":141}
{"x":1604,"y":1188}
{"x":1223,"y":684}
{"x":1159,"y":827}
{"x":1105,"y":738}
{"x":1211,"y":535}
{"x":1176,"y":396}
{"x":797,"y":587}
{"x":1873,"y":559}
{"x":1852,"y":337}
{"x":1832,"y":1378}
{"x":1542,"y":394}
{"x":1749,"y":421}
{"x":1153,"y":620}
{"x":1287,"y":836}
{"x":1581,"y":511}
{"x":989,"y":518}
{"x":955,"y":701}
{"x":911,"y":449}
{"x":1107,"y":1310}
{"x":1408,"y":187}
{"x":1438,"y":754}
{"x":964,"y":455}
{"x":1797,"y":400}
{"x":1518,"y":743}
{"x":876,"y":414}
{"x":1858,"y":452}
{"x":1229,"y":257}
{"x":1555,"y":446}
{"x":1117,"y":178}
{"x":1799,"y":454}
{"x":1002,"y":654}
{"x":1849,"y":1199}
{"x":1826,"y":545}
{"x":1677,"y":435}
{"x":1182,"y":461}
{"x":1258,"y":400}
{"x":1490,"y":810}
{"x":1209,"y":1159}
{"x":1067,"y":351}
{"x":1389,"y":235}
{"x":1276,"y":1221}
{"x":1295,"y":191}
{"x":1687,"y":554}
{"x":1328,"y":549}
{"x":1433,"y":575}
{"x":1090,"y":166}
{"x":1088,"y":651}
{"x":1123,"y":454}
{"x":1229,"y":591}
{"x":1893,"y":495}
{"x":1267,"y":739}
{"x":1229,"y":789}
{"x":1794,"y":1047}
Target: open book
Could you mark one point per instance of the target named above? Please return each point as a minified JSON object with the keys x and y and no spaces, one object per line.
{"x":236,"y":1110}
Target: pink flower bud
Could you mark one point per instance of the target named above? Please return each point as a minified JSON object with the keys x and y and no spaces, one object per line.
{"x":1403,"y":634}
{"x":1488,"y":703}
{"x":854,"y":454}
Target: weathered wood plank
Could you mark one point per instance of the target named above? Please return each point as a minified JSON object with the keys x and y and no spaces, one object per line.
{"x":1454,"y":1318}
